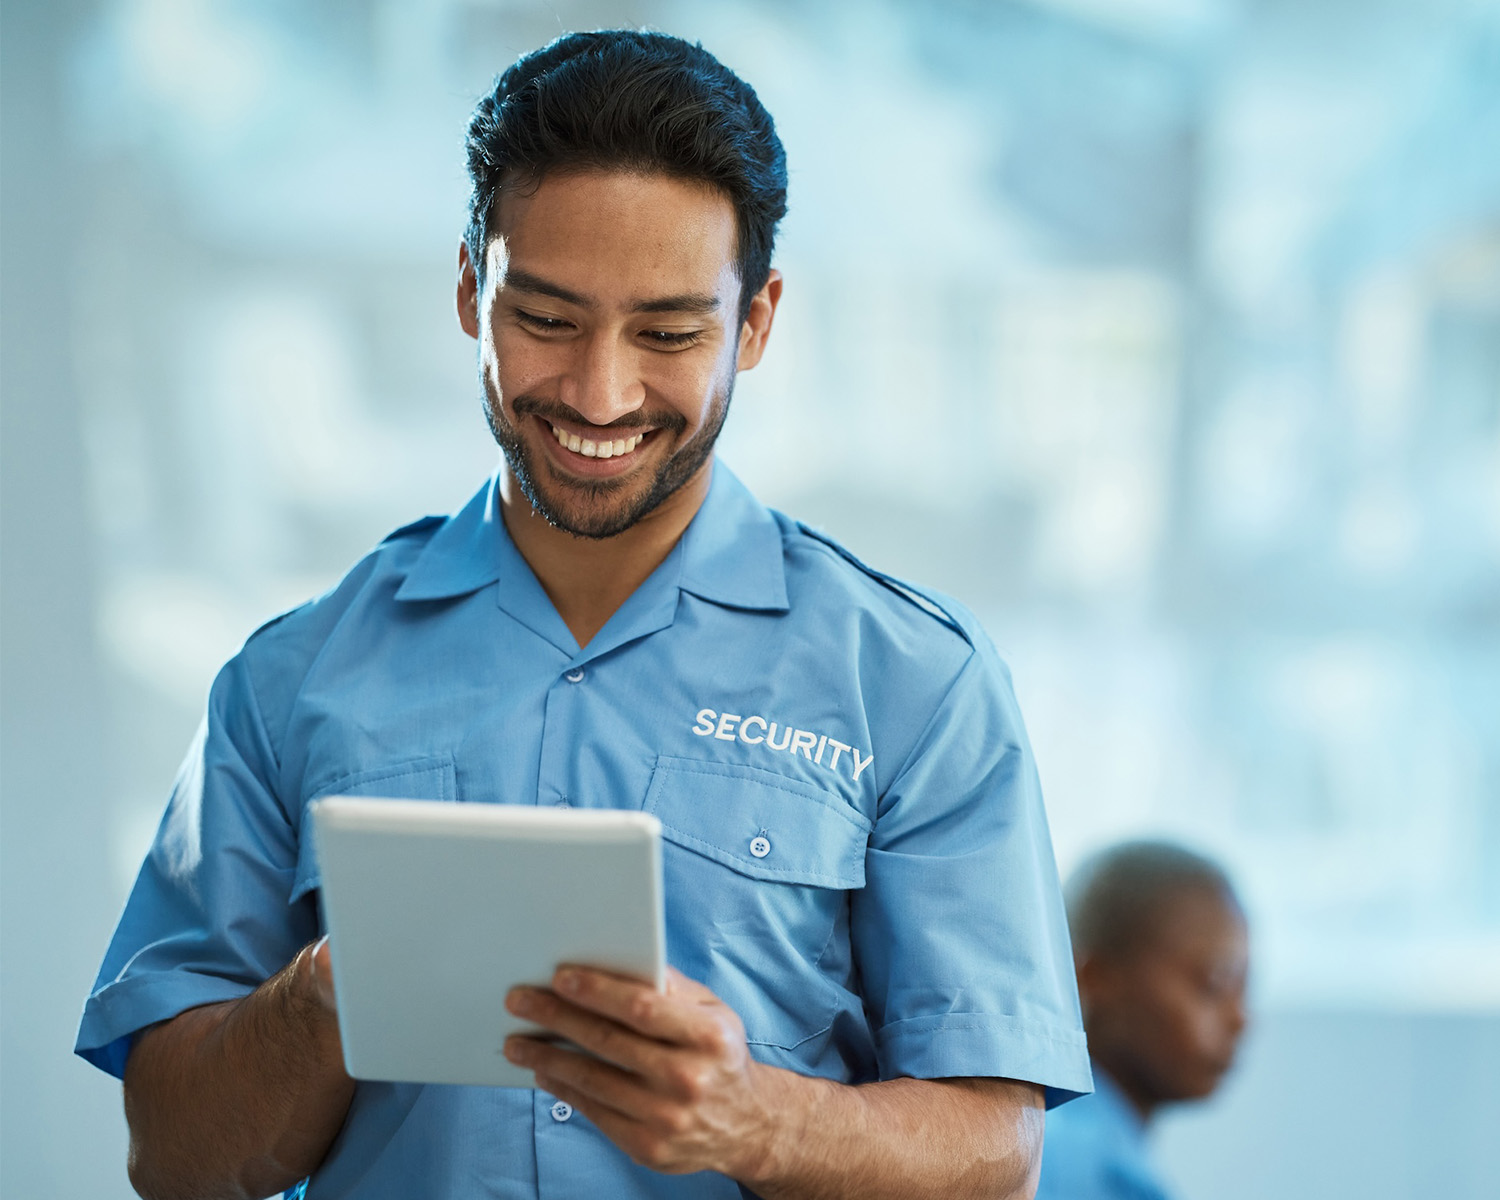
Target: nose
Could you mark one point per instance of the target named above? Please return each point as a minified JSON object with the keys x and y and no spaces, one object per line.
{"x":1235,"y":1016}
{"x":602,"y":383}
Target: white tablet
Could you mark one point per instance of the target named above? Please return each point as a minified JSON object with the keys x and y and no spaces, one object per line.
{"x":435,"y":910}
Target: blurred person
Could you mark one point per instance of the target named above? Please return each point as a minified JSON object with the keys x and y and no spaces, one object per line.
{"x":870,"y":993}
{"x":1161,"y":950}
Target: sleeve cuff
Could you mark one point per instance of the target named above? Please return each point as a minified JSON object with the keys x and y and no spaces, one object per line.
{"x":116,"y":1013}
{"x":979,"y":1044}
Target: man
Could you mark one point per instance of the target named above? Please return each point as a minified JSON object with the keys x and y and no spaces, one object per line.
{"x":870,"y":994}
{"x":1161,"y":950}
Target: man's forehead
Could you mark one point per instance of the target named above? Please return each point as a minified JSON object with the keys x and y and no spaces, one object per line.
{"x":616,"y":236}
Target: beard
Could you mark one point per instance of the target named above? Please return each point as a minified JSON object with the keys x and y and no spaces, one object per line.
{"x":602,"y":508}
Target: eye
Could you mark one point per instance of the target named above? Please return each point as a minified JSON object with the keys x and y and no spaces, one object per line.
{"x":668,"y":339}
{"x":541,"y":324}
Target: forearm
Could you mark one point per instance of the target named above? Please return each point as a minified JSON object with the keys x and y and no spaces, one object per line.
{"x":904,"y":1139}
{"x":237,"y":1100}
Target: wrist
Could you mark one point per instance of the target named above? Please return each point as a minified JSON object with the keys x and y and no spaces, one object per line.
{"x":785,"y":1104}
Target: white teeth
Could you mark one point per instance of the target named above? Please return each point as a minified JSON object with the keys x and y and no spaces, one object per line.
{"x":581,"y":445}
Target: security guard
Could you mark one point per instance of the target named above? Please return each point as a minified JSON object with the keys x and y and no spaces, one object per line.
{"x":870,"y":994}
{"x":1162,"y":953}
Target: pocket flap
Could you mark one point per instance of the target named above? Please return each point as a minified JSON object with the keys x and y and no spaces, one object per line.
{"x":417,"y":779}
{"x":761,"y":824}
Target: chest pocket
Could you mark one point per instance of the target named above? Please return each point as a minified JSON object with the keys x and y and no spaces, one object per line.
{"x":757,"y":869}
{"x":416,"y":779}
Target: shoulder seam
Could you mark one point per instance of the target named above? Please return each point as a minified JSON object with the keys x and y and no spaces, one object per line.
{"x":912,"y":594}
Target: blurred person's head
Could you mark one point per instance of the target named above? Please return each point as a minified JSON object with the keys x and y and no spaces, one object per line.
{"x":633,"y":101}
{"x":1161,"y":949}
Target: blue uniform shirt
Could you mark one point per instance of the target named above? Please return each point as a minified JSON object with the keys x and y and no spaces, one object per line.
{"x":761,"y":684}
{"x":1095,"y":1149}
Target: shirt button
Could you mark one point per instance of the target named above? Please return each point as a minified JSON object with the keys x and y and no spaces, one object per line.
{"x":575,"y":675}
{"x":760,"y":847}
{"x":561,"y":1111}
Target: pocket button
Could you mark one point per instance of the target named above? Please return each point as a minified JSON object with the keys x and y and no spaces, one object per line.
{"x":760,"y":846}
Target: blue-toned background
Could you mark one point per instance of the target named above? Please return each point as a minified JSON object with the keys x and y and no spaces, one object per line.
{"x":1164,"y":333}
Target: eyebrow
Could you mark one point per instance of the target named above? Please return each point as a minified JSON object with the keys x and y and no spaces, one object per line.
{"x":687,"y":302}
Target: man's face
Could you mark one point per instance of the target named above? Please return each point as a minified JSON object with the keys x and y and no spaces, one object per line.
{"x":609,"y":340}
{"x":1166,"y":1019}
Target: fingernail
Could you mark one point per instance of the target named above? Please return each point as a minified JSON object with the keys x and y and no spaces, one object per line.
{"x":517,"y":1050}
{"x":568,"y":982}
{"x":518,"y":1000}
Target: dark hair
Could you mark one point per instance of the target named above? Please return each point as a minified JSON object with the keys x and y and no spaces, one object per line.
{"x":636,"y":101}
{"x":1116,"y":897}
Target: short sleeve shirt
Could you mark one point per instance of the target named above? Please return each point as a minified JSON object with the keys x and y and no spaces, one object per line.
{"x":1095,"y":1149}
{"x":855,"y":856}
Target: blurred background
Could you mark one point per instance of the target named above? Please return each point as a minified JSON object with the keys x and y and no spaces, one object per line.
{"x":1163,"y":333}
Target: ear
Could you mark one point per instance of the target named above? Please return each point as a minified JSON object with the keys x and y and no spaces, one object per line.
{"x":757,"y":326}
{"x":468,"y":293}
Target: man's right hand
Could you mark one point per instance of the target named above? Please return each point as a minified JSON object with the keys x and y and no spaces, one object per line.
{"x":241,"y":1099}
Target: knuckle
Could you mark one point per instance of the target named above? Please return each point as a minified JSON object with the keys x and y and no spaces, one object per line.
{"x":642,"y":1007}
{"x":677,"y":1122}
{"x":691,"y":1080}
{"x":649,"y":1151}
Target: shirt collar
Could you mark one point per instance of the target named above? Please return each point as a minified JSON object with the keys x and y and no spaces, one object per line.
{"x":731,"y":552}
{"x":1109,"y":1099}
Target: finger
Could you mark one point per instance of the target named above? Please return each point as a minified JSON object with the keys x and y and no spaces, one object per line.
{"x":598,"y":1034}
{"x":643,"y":1141}
{"x":634,"y":1137}
{"x":677,"y":1018}
{"x":602,"y":1083}
{"x":690,"y":988}
{"x":321,"y":961}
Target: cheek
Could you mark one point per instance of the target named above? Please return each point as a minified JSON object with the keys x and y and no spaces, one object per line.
{"x":689,"y":388}
{"x":515,"y":366}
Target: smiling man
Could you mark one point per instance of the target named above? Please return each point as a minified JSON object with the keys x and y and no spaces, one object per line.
{"x":870,"y":991}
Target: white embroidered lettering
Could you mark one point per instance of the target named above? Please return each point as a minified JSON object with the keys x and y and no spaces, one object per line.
{"x":838,"y":748}
{"x":820,"y":749}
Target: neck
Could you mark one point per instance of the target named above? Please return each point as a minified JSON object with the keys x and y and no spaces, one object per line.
{"x":587,"y":579}
{"x":1140,"y":1097}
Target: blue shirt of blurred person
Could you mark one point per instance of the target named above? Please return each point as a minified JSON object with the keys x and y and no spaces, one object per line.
{"x":1095,"y":1149}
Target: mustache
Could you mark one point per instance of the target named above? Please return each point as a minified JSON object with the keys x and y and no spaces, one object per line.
{"x":553,"y":410}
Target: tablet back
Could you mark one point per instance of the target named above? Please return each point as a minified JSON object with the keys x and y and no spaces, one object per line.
{"x":435,"y":910}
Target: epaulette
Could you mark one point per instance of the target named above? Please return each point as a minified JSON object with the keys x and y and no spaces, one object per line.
{"x":416,"y":526}
{"x":908,"y":592}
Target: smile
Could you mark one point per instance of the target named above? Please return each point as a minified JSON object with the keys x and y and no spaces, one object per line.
{"x":593,"y":449}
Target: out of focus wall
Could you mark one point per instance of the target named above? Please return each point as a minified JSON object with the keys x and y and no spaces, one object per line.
{"x":1165,"y":335}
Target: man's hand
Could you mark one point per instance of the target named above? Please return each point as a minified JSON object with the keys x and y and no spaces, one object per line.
{"x":673,"y":1085}
{"x":241,"y":1098}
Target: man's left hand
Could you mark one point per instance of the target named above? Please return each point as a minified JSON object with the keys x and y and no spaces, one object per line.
{"x":673,"y":1084}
